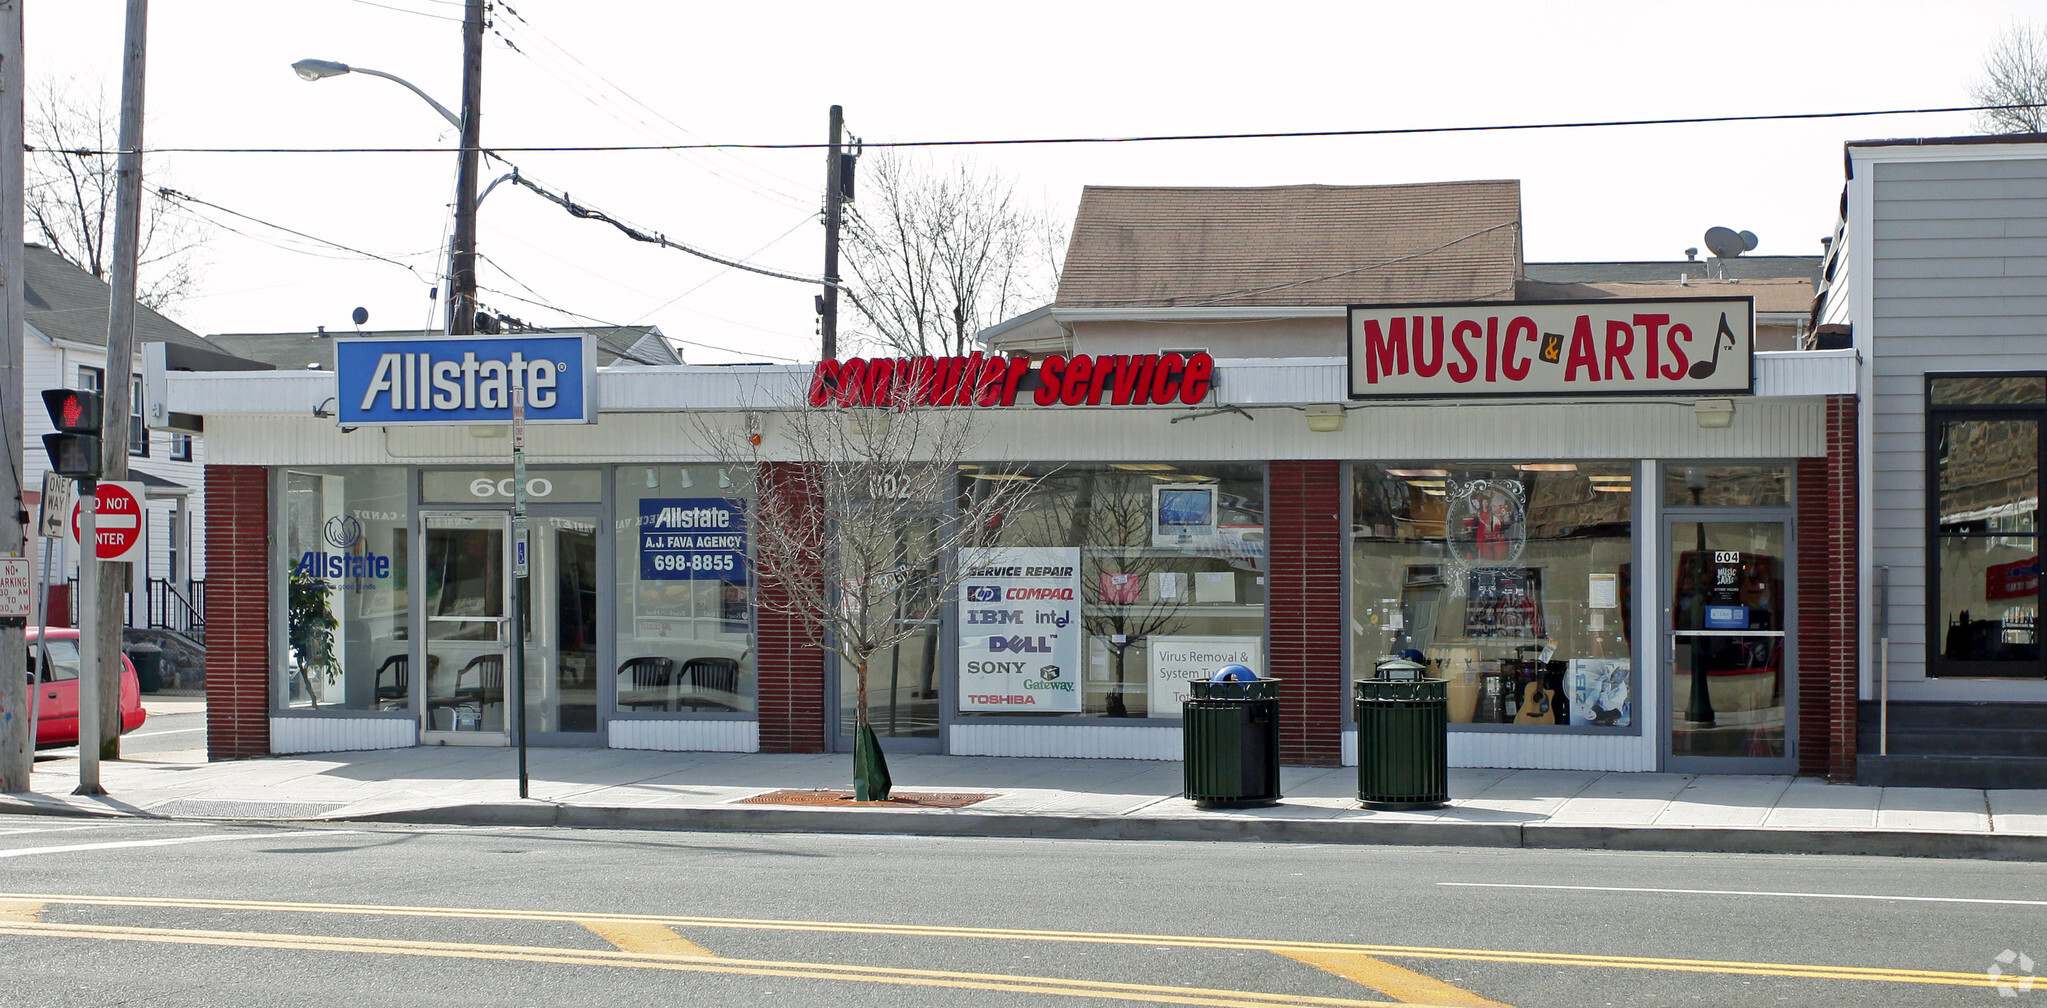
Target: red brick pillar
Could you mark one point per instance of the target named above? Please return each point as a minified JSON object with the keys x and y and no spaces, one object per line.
{"x":789,"y":667}
{"x":1305,"y":539}
{"x":1828,"y":604}
{"x":237,"y":611}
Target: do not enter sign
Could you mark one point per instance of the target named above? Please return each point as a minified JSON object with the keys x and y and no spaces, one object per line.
{"x":118,"y":524}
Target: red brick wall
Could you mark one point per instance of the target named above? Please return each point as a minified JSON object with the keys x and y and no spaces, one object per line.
{"x":1304,"y":536}
{"x":237,"y":611}
{"x":1828,"y":606}
{"x":789,"y":666}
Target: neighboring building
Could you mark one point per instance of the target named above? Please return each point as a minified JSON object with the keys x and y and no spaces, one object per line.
{"x":1598,"y":499}
{"x":300,"y":351}
{"x":66,"y":347}
{"x":1939,"y":271}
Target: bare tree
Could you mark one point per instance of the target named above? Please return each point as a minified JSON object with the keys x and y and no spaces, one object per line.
{"x":70,"y":198}
{"x":2014,"y":78}
{"x":858,"y":515}
{"x":938,"y":254}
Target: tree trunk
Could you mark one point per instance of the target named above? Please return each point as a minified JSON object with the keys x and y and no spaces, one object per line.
{"x":870,"y":767}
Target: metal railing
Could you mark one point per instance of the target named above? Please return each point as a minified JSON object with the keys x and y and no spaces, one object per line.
{"x":168,"y":607}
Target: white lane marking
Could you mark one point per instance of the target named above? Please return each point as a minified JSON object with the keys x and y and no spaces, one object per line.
{"x":60,"y":829}
{"x":153,"y":734}
{"x":1745,"y":892}
{"x":26,"y":851}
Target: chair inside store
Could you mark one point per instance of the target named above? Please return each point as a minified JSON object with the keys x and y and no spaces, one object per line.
{"x":394,"y":679}
{"x":647,"y":681}
{"x":710,"y":680}
{"x":482,"y":681}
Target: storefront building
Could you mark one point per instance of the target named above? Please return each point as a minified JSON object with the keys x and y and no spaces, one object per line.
{"x":1623,"y":534}
{"x":1937,"y":272}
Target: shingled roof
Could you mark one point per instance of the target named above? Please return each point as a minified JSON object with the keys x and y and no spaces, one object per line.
{"x":1293,"y":245}
{"x":67,"y":303}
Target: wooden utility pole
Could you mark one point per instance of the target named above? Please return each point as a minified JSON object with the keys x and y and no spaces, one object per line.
{"x":17,"y":719}
{"x":462,"y":246}
{"x":834,"y":199}
{"x":104,"y":637}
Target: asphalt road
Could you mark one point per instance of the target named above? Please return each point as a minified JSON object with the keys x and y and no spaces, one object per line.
{"x":193,"y":914}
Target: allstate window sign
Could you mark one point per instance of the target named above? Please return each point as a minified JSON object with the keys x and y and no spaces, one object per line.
{"x":406,"y":381}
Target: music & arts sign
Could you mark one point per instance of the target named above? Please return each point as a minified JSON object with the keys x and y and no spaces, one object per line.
{"x":1690,"y":346}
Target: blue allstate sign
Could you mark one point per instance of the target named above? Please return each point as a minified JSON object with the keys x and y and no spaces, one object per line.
{"x":465,"y":380}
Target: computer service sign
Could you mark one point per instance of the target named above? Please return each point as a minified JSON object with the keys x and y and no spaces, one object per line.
{"x":1691,"y":346}
{"x":1019,"y":625}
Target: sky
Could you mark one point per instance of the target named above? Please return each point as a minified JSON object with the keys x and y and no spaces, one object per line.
{"x":623,"y":72}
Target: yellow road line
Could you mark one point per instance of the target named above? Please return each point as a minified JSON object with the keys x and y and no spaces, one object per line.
{"x":1396,"y":982}
{"x":631,"y":936}
{"x":1146,"y":993}
{"x":28,"y":911}
{"x":1861,"y":973}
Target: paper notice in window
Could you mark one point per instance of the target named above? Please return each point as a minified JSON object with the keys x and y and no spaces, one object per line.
{"x":1166,"y":587}
{"x":1602,"y":592}
{"x":1215,"y":586}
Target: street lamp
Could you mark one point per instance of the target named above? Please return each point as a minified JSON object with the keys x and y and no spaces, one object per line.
{"x":462,"y":244}
{"x":312,"y":70}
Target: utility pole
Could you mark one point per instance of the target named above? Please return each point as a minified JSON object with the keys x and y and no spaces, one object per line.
{"x":834,"y":198}
{"x":17,"y":719}
{"x":462,"y":246}
{"x":118,"y":397}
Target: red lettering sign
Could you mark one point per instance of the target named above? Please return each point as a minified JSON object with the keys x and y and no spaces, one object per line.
{"x":980,"y":380}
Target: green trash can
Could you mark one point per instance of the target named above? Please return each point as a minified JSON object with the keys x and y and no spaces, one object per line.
{"x":148,"y":661}
{"x":1403,"y":743}
{"x":1230,"y":736}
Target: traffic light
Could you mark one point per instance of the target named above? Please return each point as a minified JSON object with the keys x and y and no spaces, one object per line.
{"x":75,"y":448}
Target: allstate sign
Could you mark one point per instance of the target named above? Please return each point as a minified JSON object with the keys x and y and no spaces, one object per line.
{"x":394,"y":382}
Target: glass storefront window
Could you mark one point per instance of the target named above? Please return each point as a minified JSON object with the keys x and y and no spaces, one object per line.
{"x":344,"y":556}
{"x":1726,"y":485}
{"x":1171,"y":582}
{"x":685,"y":619}
{"x":1512,"y":582}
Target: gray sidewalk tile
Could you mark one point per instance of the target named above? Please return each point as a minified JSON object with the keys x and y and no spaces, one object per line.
{"x":1813,"y":804}
{"x":1733,"y":800}
{"x":1938,"y":809}
{"x":1618,"y":799}
{"x":2018,"y":811}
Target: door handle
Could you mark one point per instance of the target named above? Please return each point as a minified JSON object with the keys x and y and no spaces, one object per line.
{"x":51,"y":696}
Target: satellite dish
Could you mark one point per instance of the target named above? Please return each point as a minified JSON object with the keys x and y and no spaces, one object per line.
{"x":361,"y":315}
{"x":1727,"y":243}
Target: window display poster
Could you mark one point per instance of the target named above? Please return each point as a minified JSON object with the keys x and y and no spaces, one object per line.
{"x":1020,"y":630}
{"x":692,"y":539}
{"x":1599,"y":692}
{"x":1174,"y":661}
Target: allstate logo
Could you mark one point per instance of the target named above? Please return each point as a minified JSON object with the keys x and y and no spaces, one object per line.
{"x":2021,"y":973}
{"x":343,"y":531}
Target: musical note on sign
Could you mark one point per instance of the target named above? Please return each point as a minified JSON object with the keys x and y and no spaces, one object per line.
{"x":1705,"y":368}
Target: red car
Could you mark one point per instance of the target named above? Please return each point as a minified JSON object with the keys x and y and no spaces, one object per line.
{"x":56,"y":696}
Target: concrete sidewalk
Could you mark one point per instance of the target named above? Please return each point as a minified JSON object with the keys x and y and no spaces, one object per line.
{"x":1072,"y":798}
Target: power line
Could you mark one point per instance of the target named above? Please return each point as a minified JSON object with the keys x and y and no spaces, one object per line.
{"x":1161,"y":138}
{"x":173,"y":194}
{"x":577,"y":210}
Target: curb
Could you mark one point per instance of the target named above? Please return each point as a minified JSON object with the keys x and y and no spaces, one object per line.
{"x":1532,"y":836}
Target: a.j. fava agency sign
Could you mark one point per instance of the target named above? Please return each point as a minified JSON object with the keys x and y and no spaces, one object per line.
{"x":1544,"y":348}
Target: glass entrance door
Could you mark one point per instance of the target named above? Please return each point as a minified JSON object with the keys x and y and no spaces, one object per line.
{"x":902,"y":681}
{"x":467,"y":565}
{"x":1727,"y":680}
{"x":562,"y":630}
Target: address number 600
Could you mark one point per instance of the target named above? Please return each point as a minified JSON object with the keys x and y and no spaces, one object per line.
{"x":538,"y":486}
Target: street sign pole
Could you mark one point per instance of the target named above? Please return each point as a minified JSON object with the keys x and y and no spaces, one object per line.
{"x":521,"y":565}
{"x":88,"y":640}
